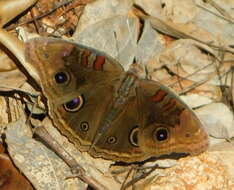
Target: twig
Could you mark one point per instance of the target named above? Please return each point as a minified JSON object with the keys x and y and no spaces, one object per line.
{"x":42,"y":15}
{"x":144,"y":175}
{"x":219,"y":9}
{"x":77,"y":169}
{"x":220,"y":16}
{"x":170,"y":29}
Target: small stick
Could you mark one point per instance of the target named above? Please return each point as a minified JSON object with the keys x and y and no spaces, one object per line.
{"x":76,"y":169}
{"x":144,"y":175}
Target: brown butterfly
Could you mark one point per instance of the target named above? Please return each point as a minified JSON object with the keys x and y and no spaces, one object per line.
{"x":111,"y":113}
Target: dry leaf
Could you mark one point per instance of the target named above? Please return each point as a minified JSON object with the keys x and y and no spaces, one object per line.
{"x":9,"y":9}
{"x":203,"y":172}
{"x":10,"y":177}
{"x":113,"y":31}
{"x":41,"y":166}
{"x":218,"y":120}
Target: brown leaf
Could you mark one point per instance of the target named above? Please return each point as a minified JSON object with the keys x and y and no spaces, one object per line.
{"x":10,"y":177}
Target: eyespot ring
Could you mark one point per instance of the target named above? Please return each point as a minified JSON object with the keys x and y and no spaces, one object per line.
{"x":62,"y":78}
{"x":133,"y":137}
{"x":111,"y":140}
{"x":75,"y":104}
{"x":161,"y":134}
{"x":84,"y":126}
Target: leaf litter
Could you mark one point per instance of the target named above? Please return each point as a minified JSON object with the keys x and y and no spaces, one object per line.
{"x":191,"y":51}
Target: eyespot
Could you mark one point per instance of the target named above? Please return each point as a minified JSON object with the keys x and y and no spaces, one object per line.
{"x":111,"y":140}
{"x":62,"y":77}
{"x":74,"y":105}
{"x":84,"y":126}
{"x":46,"y":55}
{"x":161,"y":134}
{"x":133,"y":137}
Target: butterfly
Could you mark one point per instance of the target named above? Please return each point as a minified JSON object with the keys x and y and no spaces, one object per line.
{"x":111,"y":113}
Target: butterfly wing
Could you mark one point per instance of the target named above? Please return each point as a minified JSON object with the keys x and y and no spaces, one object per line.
{"x":78,"y":82}
{"x":120,"y":142}
{"x":154,"y":122}
{"x":167,"y":124}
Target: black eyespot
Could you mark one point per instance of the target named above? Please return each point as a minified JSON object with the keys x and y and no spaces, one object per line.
{"x":134,"y":136}
{"x":84,"y":126}
{"x":46,"y":55}
{"x":111,"y":140}
{"x":161,"y":134}
{"x":74,"y":105}
{"x":61,"y":77}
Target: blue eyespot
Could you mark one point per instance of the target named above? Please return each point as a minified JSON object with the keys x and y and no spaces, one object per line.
{"x":161,"y":134}
{"x":61,"y":77}
{"x":74,"y":104}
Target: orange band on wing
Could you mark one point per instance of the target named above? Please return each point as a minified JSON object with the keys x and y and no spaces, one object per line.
{"x":84,"y":57}
{"x":99,"y":62}
{"x":169,"y":105}
{"x":159,"y":96}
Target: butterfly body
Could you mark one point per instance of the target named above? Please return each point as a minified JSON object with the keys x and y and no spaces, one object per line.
{"x":111,"y":113}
